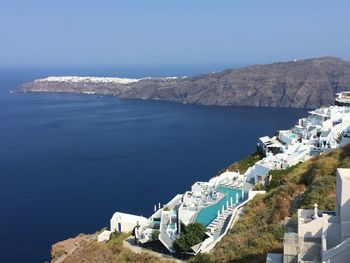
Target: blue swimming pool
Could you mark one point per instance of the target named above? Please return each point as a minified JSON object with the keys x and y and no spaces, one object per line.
{"x":207,"y":214}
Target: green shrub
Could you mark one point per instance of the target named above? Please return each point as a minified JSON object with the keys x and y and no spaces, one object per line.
{"x":155,"y":234}
{"x":244,"y":164}
{"x":191,"y":235}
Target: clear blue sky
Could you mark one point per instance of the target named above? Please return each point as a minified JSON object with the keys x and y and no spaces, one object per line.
{"x":164,"y":32}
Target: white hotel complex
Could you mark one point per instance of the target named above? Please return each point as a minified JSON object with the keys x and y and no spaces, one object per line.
{"x":216,"y":203}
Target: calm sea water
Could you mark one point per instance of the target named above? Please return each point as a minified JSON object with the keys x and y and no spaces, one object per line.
{"x":68,"y":162}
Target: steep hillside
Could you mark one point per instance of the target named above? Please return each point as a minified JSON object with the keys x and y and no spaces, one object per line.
{"x":88,"y":250}
{"x":306,"y":83}
{"x":260,"y":229}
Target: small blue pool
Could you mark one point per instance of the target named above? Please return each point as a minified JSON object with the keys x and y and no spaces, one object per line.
{"x":207,"y":214}
{"x":172,"y":226}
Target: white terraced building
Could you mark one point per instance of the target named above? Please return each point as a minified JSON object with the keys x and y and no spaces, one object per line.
{"x":323,"y":129}
{"x":215,"y":203}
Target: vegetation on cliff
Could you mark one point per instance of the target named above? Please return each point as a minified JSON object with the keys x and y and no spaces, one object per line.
{"x":112,"y":251}
{"x":260,"y":230}
{"x":243,"y":165}
{"x":191,"y":235}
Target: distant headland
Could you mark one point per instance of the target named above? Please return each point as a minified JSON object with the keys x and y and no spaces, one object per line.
{"x":308,"y":83}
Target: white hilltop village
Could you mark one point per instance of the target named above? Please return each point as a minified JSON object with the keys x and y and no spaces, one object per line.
{"x":77,"y":79}
{"x":216,"y":203}
{"x":88,"y":79}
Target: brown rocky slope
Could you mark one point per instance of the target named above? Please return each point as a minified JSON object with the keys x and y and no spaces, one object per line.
{"x":306,"y":83}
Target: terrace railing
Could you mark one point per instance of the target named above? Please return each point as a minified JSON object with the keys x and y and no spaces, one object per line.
{"x":164,"y":236}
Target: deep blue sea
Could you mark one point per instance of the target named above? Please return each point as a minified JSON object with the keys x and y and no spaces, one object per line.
{"x":68,"y":162}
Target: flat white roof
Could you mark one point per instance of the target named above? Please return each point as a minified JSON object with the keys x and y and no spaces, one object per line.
{"x":324,"y":112}
{"x":265,"y":139}
{"x":344,"y":173}
{"x":127,"y":217}
{"x":270,"y":142}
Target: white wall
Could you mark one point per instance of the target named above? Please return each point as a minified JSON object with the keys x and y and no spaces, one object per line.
{"x":343,"y":201}
{"x":127,"y":222}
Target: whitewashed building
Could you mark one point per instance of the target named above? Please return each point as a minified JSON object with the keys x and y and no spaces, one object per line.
{"x":323,"y":129}
{"x":216,"y":202}
{"x":320,"y":236}
{"x":122,"y":222}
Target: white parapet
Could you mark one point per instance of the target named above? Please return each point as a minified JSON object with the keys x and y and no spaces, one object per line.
{"x":104,"y":236}
{"x":252,"y":194}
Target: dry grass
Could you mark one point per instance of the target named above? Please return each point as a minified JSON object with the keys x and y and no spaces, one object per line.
{"x":57,"y":251}
{"x":260,"y":229}
{"x":112,"y":251}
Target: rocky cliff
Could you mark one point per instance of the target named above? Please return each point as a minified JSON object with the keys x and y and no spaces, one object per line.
{"x":306,"y":83}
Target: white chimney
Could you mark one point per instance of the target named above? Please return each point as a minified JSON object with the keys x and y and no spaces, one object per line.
{"x":315,"y":211}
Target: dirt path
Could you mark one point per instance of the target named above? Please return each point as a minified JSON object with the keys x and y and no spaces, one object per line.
{"x":67,"y":247}
{"x":130,"y":244}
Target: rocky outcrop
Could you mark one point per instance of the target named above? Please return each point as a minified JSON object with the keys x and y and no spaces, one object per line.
{"x":306,"y":83}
